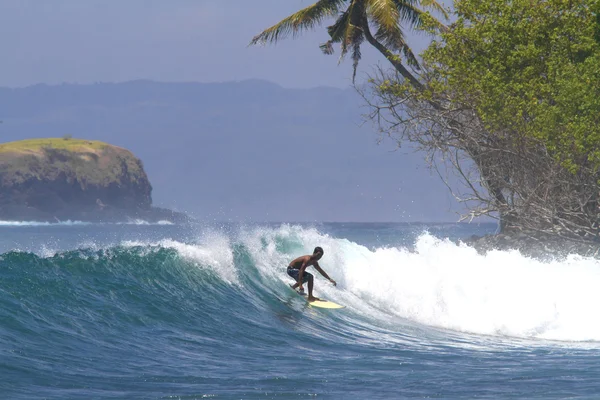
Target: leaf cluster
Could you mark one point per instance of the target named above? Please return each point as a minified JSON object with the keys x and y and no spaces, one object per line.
{"x":529,"y":68}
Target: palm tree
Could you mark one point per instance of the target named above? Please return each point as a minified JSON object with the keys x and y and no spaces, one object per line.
{"x":353,"y":25}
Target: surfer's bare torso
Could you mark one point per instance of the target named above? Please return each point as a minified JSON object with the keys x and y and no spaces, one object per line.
{"x":298,"y":262}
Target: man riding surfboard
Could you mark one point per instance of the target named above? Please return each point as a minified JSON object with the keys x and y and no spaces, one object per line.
{"x":297,"y":270}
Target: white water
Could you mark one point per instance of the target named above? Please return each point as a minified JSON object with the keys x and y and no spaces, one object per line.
{"x":214,"y":252}
{"x":72,"y":223}
{"x":450,"y":286}
{"x":38,"y":223}
{"x":439,"y":284}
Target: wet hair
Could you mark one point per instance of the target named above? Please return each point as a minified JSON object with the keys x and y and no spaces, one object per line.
{"x":318,"y":250}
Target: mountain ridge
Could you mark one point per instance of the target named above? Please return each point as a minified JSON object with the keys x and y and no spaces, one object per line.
{"x":253,"y":143}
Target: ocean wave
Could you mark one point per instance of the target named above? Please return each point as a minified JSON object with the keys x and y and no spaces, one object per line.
{"x":446,"y":285}
{"x":436,"y":283}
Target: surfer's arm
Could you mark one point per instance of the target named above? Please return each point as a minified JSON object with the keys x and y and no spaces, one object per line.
{"x":318,"y":268}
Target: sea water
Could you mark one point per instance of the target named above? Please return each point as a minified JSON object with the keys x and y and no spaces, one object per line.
{"x":162,"y":311}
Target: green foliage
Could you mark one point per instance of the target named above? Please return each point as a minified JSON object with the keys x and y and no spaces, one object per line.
{"x":596,"y":10}
{"x":529,"y":68}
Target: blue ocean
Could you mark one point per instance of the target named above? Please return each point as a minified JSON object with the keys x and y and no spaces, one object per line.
{"x":162,"y":311}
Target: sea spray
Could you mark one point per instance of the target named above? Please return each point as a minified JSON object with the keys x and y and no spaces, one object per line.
{"x":446,"y":285}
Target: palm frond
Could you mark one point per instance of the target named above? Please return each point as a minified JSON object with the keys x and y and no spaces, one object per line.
{"x":305,"y":19}
{"x":351,"y":31}
{"x":353,"y":39}
{"x":392,"y":39}
{"x":353,"y":34}
{"x":327,"y":47}
{"x":435,"y":6}
{"x":410,"y":13}
{"x":356,"y":55}
{"x":384,"y":13}
{"x":410,"y":58}
{"x":337,"y":30}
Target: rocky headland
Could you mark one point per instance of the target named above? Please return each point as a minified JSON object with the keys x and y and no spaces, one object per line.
{"x":534,"y":244}
{"x":72,"y":179}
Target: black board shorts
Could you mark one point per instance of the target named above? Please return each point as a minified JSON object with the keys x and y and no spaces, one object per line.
{"x":293,"y":272}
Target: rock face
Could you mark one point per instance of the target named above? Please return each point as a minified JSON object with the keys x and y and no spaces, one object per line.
{"x":534,"y":244}
{"x":59,"y":179}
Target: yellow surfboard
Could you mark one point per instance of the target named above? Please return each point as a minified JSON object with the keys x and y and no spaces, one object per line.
{"x":321,"y":303}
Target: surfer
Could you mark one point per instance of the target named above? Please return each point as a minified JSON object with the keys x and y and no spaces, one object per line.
{"x":297,"y":270}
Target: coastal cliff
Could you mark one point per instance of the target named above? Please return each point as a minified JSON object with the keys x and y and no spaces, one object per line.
{"x":73,"y":179}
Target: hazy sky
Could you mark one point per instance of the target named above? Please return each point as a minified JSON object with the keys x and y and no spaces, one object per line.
{"x":86,"y":41}
{"x":89,"y":41}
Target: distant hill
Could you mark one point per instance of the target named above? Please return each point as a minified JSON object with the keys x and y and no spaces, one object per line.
{"x":247,"y":150}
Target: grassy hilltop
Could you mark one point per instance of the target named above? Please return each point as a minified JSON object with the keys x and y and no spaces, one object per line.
{"x":70,"y":144}
{"x":86,"y":161}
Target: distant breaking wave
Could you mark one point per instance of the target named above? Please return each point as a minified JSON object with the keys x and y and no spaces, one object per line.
{"x":80,"y":223}
{"x":143,"y":222}
{"x":39,"y":223}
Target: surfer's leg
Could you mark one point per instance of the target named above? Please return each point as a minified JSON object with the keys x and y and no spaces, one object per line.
{"x":310,"y":288}
{"x":307,"y":277}
{"x":294,"y":274}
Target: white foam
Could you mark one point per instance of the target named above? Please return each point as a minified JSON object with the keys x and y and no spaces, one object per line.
{"x":439,"y":283}
{"x":39,"y":223}
{"x":79,"y":223}
{"x":214,"y":252}
{"x":446,"y":285}
{"x":144,"y":222}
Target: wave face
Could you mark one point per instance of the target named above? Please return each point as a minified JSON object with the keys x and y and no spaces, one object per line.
{"x":152,"y":317}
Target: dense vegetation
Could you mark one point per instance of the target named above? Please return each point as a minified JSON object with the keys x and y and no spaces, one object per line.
{"x":511,"y":99}
{"x":508,"y":96}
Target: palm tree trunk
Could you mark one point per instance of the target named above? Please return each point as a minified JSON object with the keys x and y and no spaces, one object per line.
{"x":391,"y":57}
{"x":495,"y":190}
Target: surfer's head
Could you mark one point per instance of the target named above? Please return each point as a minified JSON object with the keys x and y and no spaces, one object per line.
{"x":318,"y":253}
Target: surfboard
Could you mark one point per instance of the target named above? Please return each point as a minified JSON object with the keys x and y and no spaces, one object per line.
{"x":321,"y":303}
